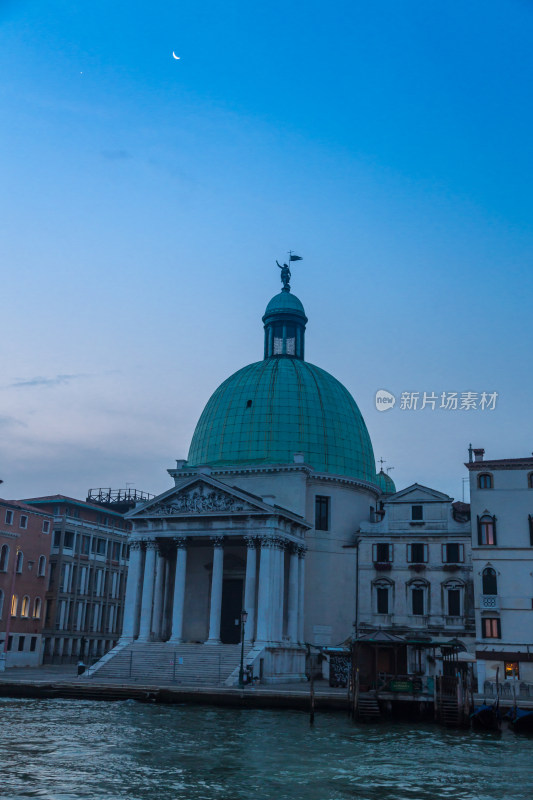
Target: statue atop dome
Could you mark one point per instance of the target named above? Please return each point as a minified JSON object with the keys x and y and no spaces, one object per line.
{"x":285,"y":276}
{"x":286,"y":271}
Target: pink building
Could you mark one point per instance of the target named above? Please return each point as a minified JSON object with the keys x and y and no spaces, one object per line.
{"x":25,"y":538}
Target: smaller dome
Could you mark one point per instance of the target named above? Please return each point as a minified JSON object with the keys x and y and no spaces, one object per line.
{"x":285,"y":302}
{"x":385,"y":483}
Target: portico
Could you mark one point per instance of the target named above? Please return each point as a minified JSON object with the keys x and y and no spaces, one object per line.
{"x":202,"y":553}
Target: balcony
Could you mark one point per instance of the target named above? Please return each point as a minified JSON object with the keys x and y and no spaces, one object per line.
{"x":454,"y":622}
{"x":382,"y":566}
{"x":489,"y":602}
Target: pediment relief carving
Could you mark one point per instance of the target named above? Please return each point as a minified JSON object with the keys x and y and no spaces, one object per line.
{"x":199,"y":499}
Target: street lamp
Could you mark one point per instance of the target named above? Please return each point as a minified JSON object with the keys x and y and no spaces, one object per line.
{"x":244,"y":617}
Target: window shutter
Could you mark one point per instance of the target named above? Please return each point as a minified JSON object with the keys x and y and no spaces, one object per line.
{"x":461,"y":553}
{"x":478,"y":530}
{"x":494,"y":529}
{"x":499,"y":626}
{"x":425,"y":554}
{"x":444,"y":555}
{"x":530,"y":530}
{"x":374,"y":552}
{"x":391,"y":546}
{"x":409,"y":557}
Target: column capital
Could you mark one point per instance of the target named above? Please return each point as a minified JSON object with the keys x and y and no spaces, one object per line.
{"x":293,"y":548}
{"x":218,"y":541}
{"x":251,"y":542}
{"x":302,"y":550}
{"x":267,"y":541}
{"x":135,"y":544}
{"x":181,"y":542}
{"x":151,"y":544}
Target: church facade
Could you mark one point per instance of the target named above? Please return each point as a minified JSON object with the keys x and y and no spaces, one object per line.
{"x":256,"y":538}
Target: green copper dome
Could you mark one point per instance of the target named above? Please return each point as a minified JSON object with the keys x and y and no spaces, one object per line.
{"x":269,"y":410}
{"x":385,"y":483}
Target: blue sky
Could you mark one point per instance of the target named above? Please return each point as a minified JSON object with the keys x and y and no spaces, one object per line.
{"x":145,"y":201}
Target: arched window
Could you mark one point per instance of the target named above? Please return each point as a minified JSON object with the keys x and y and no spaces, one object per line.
{"x":20,"y":561}
{"x":419,"y":599}
{"x":25,"y":607}
{"x":4,"y":558}
{"x":486,"y":530}
{"x":37,"y":608}
{"x":41,"y":571}
{"x":484,"y":481}
{"x":14,"y":605}
{"x":530,"y":480}
{"x":383,"y":597}
{"x":490,"y":581}
{"x":453,"y":598}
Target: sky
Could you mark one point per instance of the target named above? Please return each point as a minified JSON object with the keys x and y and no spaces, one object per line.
{"x":146,"y":199}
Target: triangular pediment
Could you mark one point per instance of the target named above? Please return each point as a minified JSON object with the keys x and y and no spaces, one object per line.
{"x":416,"y":493}
{"x":200,"y":496}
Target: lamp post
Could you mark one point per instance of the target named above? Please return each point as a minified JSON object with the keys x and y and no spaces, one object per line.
{"x":244,"y":617}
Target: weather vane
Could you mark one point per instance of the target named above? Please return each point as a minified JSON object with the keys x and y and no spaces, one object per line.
{"x":286,"y":271}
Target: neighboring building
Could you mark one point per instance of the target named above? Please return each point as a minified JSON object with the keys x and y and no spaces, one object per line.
{"x":87,"y":578}
{"x":261,"y":518}
{"x":415,"y":572}
{"x":501,"y":497}
{"x":25,"y":535}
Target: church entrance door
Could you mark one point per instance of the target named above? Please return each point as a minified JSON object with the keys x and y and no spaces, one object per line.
{"x":230,"y":618}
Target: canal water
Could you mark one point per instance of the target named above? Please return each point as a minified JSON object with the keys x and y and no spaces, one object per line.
{"x":70,"y":749}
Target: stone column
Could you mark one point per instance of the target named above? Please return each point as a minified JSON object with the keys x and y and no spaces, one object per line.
{"x":293,"y":600}
{"x":216,"y":590}
{"x":301,"y":593}
{"x":158,"y":595}
{"x":148,"y":592}
{"x":264,"y":594}
{"x":179,"y":590}
{"x":250,"y":587}
{"x":132,"y":591}
{"x":278,"y":567}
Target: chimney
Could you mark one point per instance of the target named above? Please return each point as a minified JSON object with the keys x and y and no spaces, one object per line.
{"x":479,"y":452}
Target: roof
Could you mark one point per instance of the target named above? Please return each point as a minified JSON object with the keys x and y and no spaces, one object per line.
{"x":272,"y":409}
{"x":23,"y":506}
{"x":285,"y":302}
{"x":501,"y":463}
{"x":54,"y":498}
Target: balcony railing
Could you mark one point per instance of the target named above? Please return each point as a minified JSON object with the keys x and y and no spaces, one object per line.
{"x":382,"y":566}
{"x":489,"y":602}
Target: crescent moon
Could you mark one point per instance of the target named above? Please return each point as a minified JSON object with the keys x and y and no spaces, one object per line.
{"x":175,"y":56}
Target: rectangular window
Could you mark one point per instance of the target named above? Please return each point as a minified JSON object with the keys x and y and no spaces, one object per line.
{"x":417,"y":513}
{"x":383,"y":600}
{"x":21,"y":643}
{"x":57,"y":539}
{"x":116,"y":551}
{"x":417,"y":596}
{"x":321,"y":513}
{"x":417,"y":553}
{"x":23,"y":521}
{"x":491,"y":628}
{"x":383,"y":554}
{"x":486,"y":530}
{"x":454,"y":602}
{"x":85,"y":545}
{"x":52,"y":574}
{"x":511,"y":669}
{"x":101,"y":547}
{"x":68,"y":541}
{"x":9,"y":643}
{"x":9,"y":517}
{"x":453,"y":553}
{"x":33,"y":644}
{"x":46,"y":526}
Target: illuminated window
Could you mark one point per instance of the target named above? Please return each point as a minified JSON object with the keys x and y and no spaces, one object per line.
{"x":14,"y":605}
{"x":37,"y":608}
{"x":491,"y":628}
{"x":25,"y":608}
{"x":511,"y":669}
{"x":486,"y":530}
